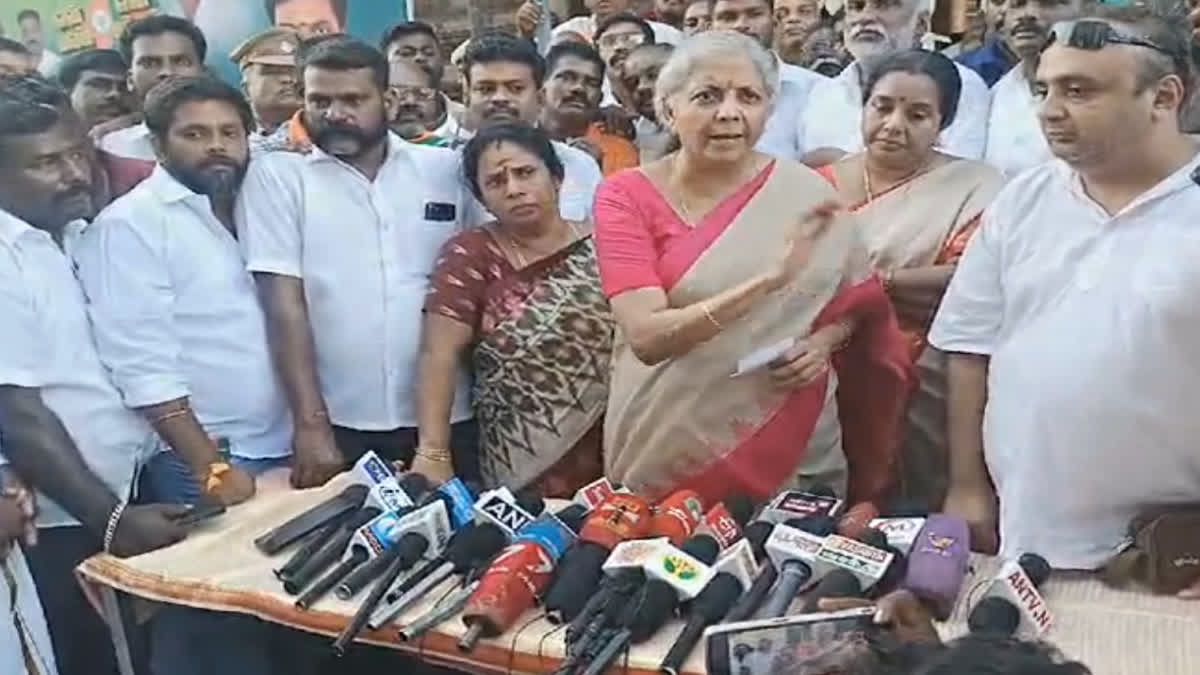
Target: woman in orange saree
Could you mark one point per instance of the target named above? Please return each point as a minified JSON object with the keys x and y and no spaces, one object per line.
{"x":917,"y":209}
{"x":716,"y":252}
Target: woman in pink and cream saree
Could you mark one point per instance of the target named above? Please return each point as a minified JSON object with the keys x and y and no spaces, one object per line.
{"x":756,"y":349}
{"x":917,"y":209}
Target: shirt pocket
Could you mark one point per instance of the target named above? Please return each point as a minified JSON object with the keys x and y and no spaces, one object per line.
{"x":431,"y":230}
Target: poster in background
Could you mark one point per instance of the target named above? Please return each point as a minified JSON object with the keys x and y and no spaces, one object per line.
{"x":69,"y":25}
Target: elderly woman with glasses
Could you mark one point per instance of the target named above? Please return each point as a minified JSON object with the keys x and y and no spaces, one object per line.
{"x":756,"y":349}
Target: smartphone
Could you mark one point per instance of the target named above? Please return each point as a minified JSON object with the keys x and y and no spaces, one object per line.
{"x":807,"y":643}
{"x":200,"y":513}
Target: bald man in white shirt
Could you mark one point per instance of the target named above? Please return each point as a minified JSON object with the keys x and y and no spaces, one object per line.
{"x":1072,"y":323}
{"x":832,"y":119}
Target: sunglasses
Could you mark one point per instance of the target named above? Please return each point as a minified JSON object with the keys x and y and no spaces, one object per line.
{"x":1094,"y":35}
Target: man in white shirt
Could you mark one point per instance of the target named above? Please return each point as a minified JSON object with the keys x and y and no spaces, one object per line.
{"x":1015,"y":140}
{"x":833,"y":118}
{"x":343,"y":277}
{"x":503,"y":83}
{"x":417,"y":42}
{"x":1071,"y":322}
{"x":784,"y":134}
{"x":641,"y":75}
{"x":529,"y":14}
{"x":161,"y":267}
{"x":34,"y":38}
{"x":156,"y":48}
{"x":64,"y":427}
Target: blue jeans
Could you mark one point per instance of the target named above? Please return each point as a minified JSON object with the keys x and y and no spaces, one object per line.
{"x":189,"y":641}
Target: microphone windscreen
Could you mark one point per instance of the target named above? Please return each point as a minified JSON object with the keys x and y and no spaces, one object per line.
{"x":479,"y":543}
{"x":994,"y":615}
{"x":573,"y":516}
{"x":741,"y":508}
{"x":529,"y":500}
{"x":414,"y":485}
{"x":873,"y":537}
{"x":757,"y":534}
{"x":702,"y":547}
{"x":717,"y":598}
{"x":816,"y":524}
{"x":838,"y":583}
{"x":578,"y":575}
{"x":650,"y":610}
{"x":1035,"y":567}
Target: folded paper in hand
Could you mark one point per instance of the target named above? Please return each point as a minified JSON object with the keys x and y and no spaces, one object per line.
{"x":761,"y":358}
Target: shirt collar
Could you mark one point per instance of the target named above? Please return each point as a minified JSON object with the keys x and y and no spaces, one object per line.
{"x":1177,"y":182}
{"x":13,"y":229}
{"x":396,"y":147}
{"x":166,"y":187}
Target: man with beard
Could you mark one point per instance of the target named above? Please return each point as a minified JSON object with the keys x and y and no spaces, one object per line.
{"x":832,"y":120}
{"x":530,"y":13}
{"x":795,"y":22}
{"x":641,"y":75}
{"x":783,"y":134}
{"x":416,"y":104}
{"x":417,"y":42}
{"x":574,"y":77}
{"x":268,"y":65}
{"x":1015,"y":141}
{"x":1071,"y":323}
{"x":156,"y":48}
{"x":96,"y":82}
{"x":66,"y":431}
{"x":503,"y":75}
{"x":346,"y":343}
{"x":994,"y":57}
{"x":161,"y":269}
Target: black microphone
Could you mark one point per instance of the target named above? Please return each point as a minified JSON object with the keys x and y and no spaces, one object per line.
{"x":358,"y":555}
{"x":710,"y":607}
{"x":408,"y":551}
{"x":293,"y":530}
{"x":839,"y":583}
{"x":330,"y":551}
{"x":998,"y":615}
{"x":312,"y":543}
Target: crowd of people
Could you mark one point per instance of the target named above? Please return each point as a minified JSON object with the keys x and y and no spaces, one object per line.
{"x":696,"y":249}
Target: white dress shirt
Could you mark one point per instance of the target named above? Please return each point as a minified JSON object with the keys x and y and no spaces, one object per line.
{"x":25,"y":616}
{"x":46,"y":342}
{"x":833,"y":118}
{"x":1015,"y":140}
{"x":586,"y":26}
{"x":133,"y":142}
{"x":176,"y":314}
{"x":1093,"y":330}
{"x":784,"y":133}
{"x":365,"y":250}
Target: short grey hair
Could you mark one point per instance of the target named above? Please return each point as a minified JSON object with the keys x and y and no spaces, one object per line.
{"x":710,"y":47}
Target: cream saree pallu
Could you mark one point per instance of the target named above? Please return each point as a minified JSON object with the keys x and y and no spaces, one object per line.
{"x":686,"y":423}
{"x":924,"y":221}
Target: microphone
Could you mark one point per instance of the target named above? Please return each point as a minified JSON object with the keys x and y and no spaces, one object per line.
{"x":594,"y":493}
{"x":710,"y":607}
{"x":901,"y":531}
{"x":938,"y":563}
{"x":797,"y":504}
{"x":1014,"y":591}
{"x":515,"y":579}
{"x":677,"y":516}
{"x":793,"y":548}
{"x":725,"y":521}
{"x":358,"y":555}
{"x":839,"y":583}
{"x":312,"y":543}
{"x":291,"y":531}
{"x":329,"y":551}
{"x":620,"y":517}
{"x":382,"y":536}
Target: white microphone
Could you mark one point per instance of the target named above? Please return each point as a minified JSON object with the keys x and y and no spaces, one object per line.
{"x":384,"y":492}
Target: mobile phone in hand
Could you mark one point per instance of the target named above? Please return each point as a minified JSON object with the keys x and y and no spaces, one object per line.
{"x":201,"y":512}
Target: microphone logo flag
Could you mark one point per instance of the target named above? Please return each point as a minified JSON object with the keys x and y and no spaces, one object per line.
{"x":593,"y":494}
{"x":463,"y":503}
{"x":504,"y":514}
{"x":679,"y":567}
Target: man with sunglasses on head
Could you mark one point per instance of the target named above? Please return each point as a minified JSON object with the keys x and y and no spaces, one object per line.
{"x":1015,"y":141}
{"x":1071,"y":324}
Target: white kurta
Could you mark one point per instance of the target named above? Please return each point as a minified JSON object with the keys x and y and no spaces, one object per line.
{"x":1093,"y":328}
{"x":833,"y":117}
{"x":1015,"y":141}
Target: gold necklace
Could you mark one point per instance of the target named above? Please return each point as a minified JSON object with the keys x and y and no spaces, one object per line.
{"x":515,"y":245}
{"x":867,"y":177}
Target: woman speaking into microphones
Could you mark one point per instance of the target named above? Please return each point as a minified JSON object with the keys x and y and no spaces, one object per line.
{"x":755,"y":348}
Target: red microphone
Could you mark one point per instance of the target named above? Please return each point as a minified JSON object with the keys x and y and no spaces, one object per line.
{"x":857,"y":519}
{"x":723,"y":527}
{"x":622,"y":516}
{"x":677,"y":517}
{"x":508,"y":588}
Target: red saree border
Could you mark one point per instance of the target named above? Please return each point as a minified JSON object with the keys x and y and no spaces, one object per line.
{"x":681,"y":254}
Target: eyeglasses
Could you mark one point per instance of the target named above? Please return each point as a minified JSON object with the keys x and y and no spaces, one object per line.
{"x":612,"y":40}
{"x":1094,"y":35}
{"x":419,"y":94}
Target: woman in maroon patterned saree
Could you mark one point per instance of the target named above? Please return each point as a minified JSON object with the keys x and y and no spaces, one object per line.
{"x":521,"y":298}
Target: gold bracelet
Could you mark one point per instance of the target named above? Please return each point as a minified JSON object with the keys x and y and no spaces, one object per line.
{"x":438,"y":455}
{"x":216,"y":475}
{"x":169,"y":415}
{"x":712,"y":319}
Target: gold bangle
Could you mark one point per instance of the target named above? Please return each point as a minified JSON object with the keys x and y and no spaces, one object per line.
{"x":170,"y":415}
{"x":712,"y":319}
{"x":438,"y":455}
{"x":216,"y":475}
